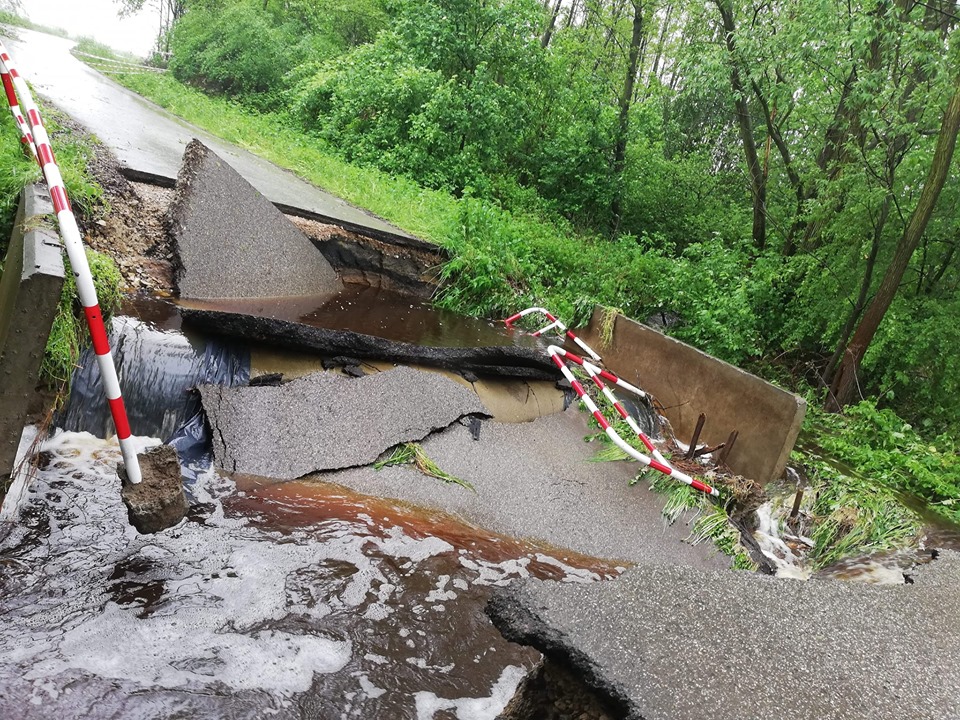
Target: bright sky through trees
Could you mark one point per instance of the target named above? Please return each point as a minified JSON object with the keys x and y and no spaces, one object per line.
{"x":98,"y":19}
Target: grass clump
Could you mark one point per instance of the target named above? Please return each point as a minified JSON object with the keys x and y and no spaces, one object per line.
{"x":69,"y":334}
{"x":414,"y":454}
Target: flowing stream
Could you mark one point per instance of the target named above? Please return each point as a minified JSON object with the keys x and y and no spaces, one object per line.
{"x":286,"y":600}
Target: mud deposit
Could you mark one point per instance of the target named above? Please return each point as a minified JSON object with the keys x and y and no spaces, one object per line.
{"x":291,"y":600}
{"x":380,"y":313}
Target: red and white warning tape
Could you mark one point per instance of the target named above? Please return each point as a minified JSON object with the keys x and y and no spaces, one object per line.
{"x":78,"y":259}
{"x":598,"y":375}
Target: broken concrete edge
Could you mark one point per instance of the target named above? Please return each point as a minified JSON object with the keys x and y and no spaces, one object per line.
{"x":331,"y":441}
{"x":688,"y":381}
{"x":387,"y":452}
{"x":400,"y":239}
{"x":506,"y":360}
{"x":518,"y":624}
{"x":157,"y":502}
{"x":225,"y":232}
{"x":30,"y":292}
{"x":645,"y":638}
{"x":552,"y":691}
{"x":367,"y":261}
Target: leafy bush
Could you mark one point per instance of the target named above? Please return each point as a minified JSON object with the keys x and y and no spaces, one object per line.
{"x":887,"y":451}
{"x":239,"y":50}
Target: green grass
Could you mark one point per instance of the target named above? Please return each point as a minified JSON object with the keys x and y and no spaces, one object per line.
{"x":69,"y":334}
{"x":414,"y":454}
{"x":426,"y":213}
{"x":74,"y":154}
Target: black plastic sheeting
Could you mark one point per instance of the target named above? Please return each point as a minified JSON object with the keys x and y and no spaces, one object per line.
{"x":159,"y":371}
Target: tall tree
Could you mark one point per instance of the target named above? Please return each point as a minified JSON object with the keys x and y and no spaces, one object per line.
{"x":845,"y":381}
{"x":623,"y":116}
{"x":758,"y":179}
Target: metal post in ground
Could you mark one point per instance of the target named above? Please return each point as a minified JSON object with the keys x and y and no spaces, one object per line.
{"x":73,"y":242}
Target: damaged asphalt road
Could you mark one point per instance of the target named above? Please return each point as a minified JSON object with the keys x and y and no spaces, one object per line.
{"x":326,"y":421}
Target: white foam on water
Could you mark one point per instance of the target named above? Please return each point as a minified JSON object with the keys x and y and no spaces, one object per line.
{"x":223,"y":605}
{"x":769,"y":538}
{"x":177,"y":651}
{"x":439,"y":594}
{"x":570,"y":574}
{"x":486,"y":708}
{"x":369,"y":689}
{"x":500,"y":574}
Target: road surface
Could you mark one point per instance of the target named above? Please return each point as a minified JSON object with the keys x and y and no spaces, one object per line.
{"x":149,"y":141}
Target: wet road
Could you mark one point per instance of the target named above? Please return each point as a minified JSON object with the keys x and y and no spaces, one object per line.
{"x":149,"y":141}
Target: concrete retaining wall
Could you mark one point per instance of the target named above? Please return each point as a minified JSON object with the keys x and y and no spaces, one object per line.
{"x":688,"y":382}
{"x":30,"y":288}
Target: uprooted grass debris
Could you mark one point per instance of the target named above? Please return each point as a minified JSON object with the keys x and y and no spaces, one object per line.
{"x":414,"y":454}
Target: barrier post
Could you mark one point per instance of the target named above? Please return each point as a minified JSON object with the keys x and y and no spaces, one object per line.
{"x":73,"y":242}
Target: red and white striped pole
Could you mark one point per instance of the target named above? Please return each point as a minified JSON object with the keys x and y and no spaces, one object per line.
{"x":554,"y":324}
{"x":25,"y":136}
{"x":556,"y":356}
{"x":596,"y":374}
{"x":81,"y":268}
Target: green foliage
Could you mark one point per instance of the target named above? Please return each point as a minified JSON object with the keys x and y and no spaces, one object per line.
{"x":414,"y":454}
{"x":69,"y":334}
{"x":891,"y":455}
{"x":236,"y":50}
{"x":440,"y":96}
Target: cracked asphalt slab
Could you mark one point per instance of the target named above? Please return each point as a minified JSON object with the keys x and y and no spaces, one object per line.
{"x":681,"y":642}
{"x":149,"y":141}
{"x":326,"y":420}
{"x":214,"y":207}
{"x":536,"y":480}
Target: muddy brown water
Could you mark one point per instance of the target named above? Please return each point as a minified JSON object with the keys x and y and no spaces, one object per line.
{"x":299,"y":599}
{"x":379,"y":312}
{"x":290,"y":600}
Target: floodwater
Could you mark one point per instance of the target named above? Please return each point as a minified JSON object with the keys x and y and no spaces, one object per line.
{"x":285,"y":600}
{"x":787,"y":549}
{"x":375,"y":311}
{"x":289,"y":600}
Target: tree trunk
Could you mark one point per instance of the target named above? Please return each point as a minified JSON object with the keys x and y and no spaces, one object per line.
{"x":861,"y":302}
{"x":664,"y":29}
{"x":623,"y":126}
{"x":758,"y":185}
{"x":846,"y":380}
{"x":548,"y":33}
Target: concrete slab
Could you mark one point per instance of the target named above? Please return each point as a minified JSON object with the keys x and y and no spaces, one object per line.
{"x":536,"y":480}
{"x":232,"y":242}
{"x":149,"y":141}
{"x":327,"y":421}
{"x":688,"y":382}
{"x":30,"y":288}
{"x":677,"y":642}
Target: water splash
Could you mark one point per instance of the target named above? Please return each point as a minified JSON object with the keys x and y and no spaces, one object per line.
{"x":269,"y":600}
